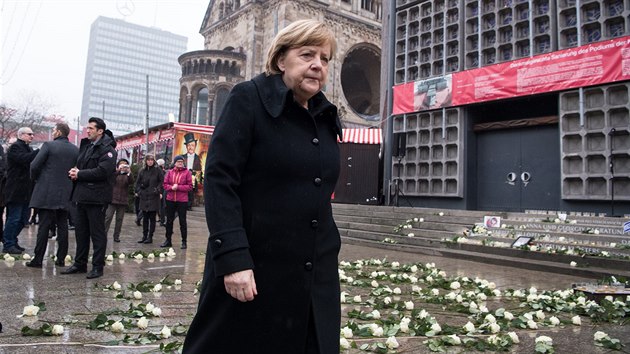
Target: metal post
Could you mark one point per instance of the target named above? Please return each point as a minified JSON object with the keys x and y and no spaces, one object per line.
{"x":76,"y":137}
{"x":146,"y":122}
{"x":388,"y":131}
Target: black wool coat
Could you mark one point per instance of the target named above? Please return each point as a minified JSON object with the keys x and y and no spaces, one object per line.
{"x":19,"y":185}
{"x":49,"y":170}
{"x":270,"y":172}
{"x":97,"y":165}
{"x":149,"y":188}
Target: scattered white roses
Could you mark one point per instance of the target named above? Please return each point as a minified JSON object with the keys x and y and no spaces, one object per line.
{"x":137,"y":295}
{"x":165,"y":332}
{"x":57,"y":330}
{"x":30,"y":310}
{"x":143,"y":323}
{"x":392,"y":343}
{"x":117,"y":327}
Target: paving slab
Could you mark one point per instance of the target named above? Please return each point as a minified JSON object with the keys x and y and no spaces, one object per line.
{"x":73,"y":300}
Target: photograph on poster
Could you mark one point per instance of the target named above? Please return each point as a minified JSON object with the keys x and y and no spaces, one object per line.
{"x":194,"y":148}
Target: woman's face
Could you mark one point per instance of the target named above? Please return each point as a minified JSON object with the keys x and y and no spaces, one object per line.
{"x":150,"y":162}
{"x":305,"y":70}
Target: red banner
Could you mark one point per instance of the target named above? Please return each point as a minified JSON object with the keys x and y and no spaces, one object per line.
{"x":593,"y":64}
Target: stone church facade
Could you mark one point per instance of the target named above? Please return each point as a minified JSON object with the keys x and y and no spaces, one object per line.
{"x":238,"y":34}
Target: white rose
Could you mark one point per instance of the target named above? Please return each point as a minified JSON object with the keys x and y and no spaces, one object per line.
{"x":30,"y":310}
{"x":413,"y":279}
{"x":395,"y":264}
{"x":376,"y":314}
{"x":411,"y":234}
{"x":374,"y":284}
{"x":455,"y":339}
{"x":378,"y":331}
{"x":483,"y":309}
{"x":455,"y":285}
{"x":346,"y":332}
{"x":459,"y":298}
{"x":139,"y":256}
{"x":416,"y":289}
{"x":26,"y":256}
{"x":414,"y":268}
{"x":514,"y":337}
{"x":117,"y":327}
{"x":165,"y":332}
{"x":528,"y":316}
{"x":496,"y":292}
{"x":149,"y":307}
{"x":469,"y":327}
{"x":357,"y":298}
{"x":573,"y":264}
{"x":162,"y":255}
{"x":441,"y":214}
{"x":404,"y":327}
{"x":392,"y":343}
{"x":435,"y":292}
{"x":423,"y":314}
{"x":387,"y":300}
{"x":508,"y":316}
{"x":554,"y":320}
{"x":109,"y":258}
{"x":409,"y":305}
{"x":490,"y":319}
{"x":609,"y":298}
{"x":137,"y":295}
{"x":576,"y":320}
{"x":143,"y":323}
{"x":599,"y":335}
{"x":9,"y":258}
{"x":532,"y":325}
{"x":68,"y":258}
{"x":540,"y":315}
{"x":350,"y":280}
{"x":157,"y":312}
{"x":171,"y":253}
{"x":397,"y":291}
{"x":544,"y":339}
{"x":482,"y":297}
{"x":157,"y":288}
{"x":494,"y":328}
{"x":344,"y":344}
{"x":613,"y":244}
{"x":178,"y":282}
{"x":116,"y":285}
{"x":429,"y":278}
{"x":121,"y":256}
{"x":436,"y":328}
{"x":596,"y":231}
{"x":57,"y":330}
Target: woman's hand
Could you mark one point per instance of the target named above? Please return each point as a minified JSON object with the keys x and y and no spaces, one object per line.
{"x":241,"y":285}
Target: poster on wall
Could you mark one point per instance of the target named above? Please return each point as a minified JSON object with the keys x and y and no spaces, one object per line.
{"x":194,"y":148}
{"x":593,"y":64}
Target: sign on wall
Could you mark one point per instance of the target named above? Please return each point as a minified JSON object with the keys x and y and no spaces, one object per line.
{"x":592,"y":64}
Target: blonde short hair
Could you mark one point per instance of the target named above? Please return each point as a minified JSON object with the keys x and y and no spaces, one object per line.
{"x":298,"y":34}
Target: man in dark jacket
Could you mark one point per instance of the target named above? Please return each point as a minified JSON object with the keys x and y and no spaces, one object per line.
{"x":93,"y":179}
{"x":18,"y":189}
{"x":51,"y":194}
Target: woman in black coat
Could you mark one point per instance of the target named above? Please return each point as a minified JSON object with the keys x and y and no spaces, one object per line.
{"x":271,"y":282}
{"x":149,"y":191}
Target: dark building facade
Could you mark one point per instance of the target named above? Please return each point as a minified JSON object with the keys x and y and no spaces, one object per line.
{"x":508,"y":105}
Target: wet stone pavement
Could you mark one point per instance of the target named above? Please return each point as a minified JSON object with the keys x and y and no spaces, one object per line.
{"x":75,"y":302}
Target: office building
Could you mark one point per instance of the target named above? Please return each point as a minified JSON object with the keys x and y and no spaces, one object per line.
{"x":120,"y":56}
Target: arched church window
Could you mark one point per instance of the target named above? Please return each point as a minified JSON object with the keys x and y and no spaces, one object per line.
{"x":202,"y":106}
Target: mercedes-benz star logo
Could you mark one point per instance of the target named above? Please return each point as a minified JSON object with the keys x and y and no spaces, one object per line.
{"x":125,"y":7}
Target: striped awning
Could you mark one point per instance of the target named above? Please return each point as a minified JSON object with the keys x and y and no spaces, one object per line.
{"x":362,"y":136}
{"x":195,"y":128}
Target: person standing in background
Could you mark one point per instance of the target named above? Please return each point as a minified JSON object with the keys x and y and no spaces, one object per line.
{"x":120,"y":198}
{"x":93,"y":179}
{"x":162,"y":210}
{"x":149,"y":190}
{"x":51,"y":194}
{"x":17,"y":192}
{"x":193,"y":164}
{"x":177,"y":184}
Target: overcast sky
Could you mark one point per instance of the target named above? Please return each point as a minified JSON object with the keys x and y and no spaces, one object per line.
{"x":44,"y":43}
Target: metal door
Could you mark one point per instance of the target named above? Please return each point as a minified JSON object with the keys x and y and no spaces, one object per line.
{"x":518,"y":169}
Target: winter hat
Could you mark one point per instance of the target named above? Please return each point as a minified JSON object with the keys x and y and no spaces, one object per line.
{"x":177,"y":158}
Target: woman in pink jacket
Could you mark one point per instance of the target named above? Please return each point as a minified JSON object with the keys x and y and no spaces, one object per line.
{"x":177,"y":184}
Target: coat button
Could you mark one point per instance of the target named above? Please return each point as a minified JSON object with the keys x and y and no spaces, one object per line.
{"x":217,"y":243}
{"x":314,"y":224}
{"x":308,"y":266}
{"x":317,"y":181}
{"x":315,"y":141}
